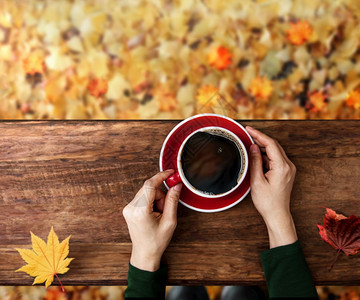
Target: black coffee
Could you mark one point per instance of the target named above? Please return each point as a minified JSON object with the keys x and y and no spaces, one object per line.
{"x":211,"y":163}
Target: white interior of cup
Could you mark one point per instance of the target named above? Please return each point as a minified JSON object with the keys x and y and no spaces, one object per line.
{"x":243,"y":153}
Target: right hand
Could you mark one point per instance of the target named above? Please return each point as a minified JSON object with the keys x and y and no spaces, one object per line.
{"x":151,"y":231}
{"x":270,"y":192}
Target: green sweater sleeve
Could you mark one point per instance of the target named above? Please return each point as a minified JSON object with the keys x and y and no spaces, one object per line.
{"x":145,"y":284}
{"x":287,"y":273}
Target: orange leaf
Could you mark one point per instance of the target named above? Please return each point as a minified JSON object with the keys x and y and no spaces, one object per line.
{"x":261,"y":88}
{"x":317,"y":101}
{"x":219,"y":57}
{"x":55,"y":294}
{"x":34,"y":64}
{"x":299,"y":32}
{"x":207,"y":95}
{"x":98,"y":87}
{"x":167,"y":101}
{"x":353,"y":99}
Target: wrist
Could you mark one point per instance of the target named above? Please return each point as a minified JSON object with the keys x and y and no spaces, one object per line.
{"x":281,"y":231}
{"x":144,"y":262}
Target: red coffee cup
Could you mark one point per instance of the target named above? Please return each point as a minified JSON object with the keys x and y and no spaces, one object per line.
{"x":179,"y":175}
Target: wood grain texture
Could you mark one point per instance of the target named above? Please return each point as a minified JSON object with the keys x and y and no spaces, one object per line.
{"x":78,"y":175}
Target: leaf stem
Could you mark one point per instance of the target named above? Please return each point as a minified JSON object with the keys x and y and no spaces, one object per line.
{"x":62,"y":287}
{"x":336,"y":257}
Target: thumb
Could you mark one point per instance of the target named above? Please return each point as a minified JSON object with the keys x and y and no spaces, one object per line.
{"x":256,"y":169}
{"x":171,"y":202}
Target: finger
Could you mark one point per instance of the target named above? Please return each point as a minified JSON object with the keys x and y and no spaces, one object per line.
{"x":159,"y":194}
{"x":171,"y":202}
{"x":266,"y":161}
{"x":157,"y":179}
{"x":271,"y":147}
{"x":156,"y":214}
{"x":263,"y":150}
{"x":148,"y":190}
{"x":159,"y":204}
{"x":256,"y":167}
{"x":159,"y":200}
{"x":283,"y":152}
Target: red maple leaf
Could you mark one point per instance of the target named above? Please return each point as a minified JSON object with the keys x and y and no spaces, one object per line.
{"x":340,"y":232}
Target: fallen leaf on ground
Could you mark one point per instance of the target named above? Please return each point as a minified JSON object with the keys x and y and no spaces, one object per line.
{"x":317,"y":101}
{"x":34,"y":64}
{"x":261,"y":88}
{"x":340,"y":232}
{"x":98,"y":87}
{"x":299,"y":32}
{"x":46,"y":260}
{"x":353,"y":99}
{"x":55,"y":293}
{"x":207,"y":95}
{"x":220,"y":58}
{"x":167,"y":101}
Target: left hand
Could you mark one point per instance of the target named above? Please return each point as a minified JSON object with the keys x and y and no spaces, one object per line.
{"x":151,"y":231}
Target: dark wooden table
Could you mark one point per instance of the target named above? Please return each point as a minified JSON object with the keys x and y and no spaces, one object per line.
{"x":78,"y":175}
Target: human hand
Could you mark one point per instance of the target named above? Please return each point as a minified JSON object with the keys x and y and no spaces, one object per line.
{"x":270,"y":192}
{"x":151,"y":231}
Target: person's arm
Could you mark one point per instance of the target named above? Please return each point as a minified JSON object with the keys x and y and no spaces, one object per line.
{"x":150,"y":232}
{"x":145,"y":284}
{"x":286,"y":271}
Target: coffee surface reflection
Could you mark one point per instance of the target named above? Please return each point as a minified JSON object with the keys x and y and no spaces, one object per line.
{"x":211,"y":163}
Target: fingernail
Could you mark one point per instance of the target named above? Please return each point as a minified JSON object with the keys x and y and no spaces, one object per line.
{"x":254,"y":149}
{"x":249,"y":127}
{"x":178,"y":187}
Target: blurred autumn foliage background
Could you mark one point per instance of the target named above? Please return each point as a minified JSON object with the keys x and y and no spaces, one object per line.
{"x":108,"y":59}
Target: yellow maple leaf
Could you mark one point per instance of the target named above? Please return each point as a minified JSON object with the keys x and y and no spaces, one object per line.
{"x":34,"y":64}
{"x":207,"y":95}
{"x":299,"y":32}
{"x":261,"y":88}
{"x":46,"y":259}
{"x":353,"y":99}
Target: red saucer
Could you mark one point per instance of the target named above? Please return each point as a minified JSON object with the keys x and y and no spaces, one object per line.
{"x":168,"y":156}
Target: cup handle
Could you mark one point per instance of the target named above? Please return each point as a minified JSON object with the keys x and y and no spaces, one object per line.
{"x":173,"y":180}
